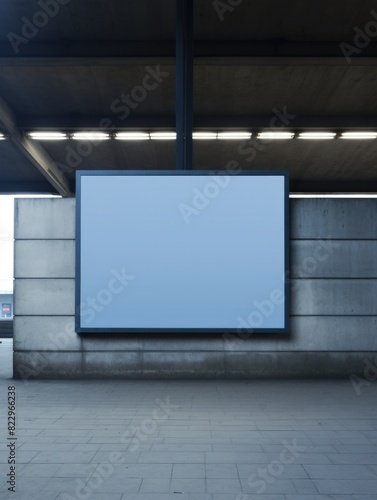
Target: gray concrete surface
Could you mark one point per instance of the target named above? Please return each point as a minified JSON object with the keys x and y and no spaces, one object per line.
{"x":333,"y":323}
{"x":192,"y":440}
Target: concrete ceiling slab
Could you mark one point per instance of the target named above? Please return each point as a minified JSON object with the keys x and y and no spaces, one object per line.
{"x":79,"y":67}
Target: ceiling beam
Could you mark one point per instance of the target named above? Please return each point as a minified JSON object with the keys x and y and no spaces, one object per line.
{"x":33,"y":151}
{"x":258,"y":52}
{"x":74,"y":122}
{"x":335,"y":187}
{"x":23,"y":187}
{"x":184,"y":84}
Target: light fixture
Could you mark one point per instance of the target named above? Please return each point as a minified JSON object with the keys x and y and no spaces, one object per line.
{"x":132,"y":136}
{"x":163,"y":136}
{"x":47,"y":136}
{"x":204,"y":135}
{"x":90,"y":136}
{"x":275,"y":135}
{"x":358,"y":135}
{"x":317,"y":135}
{"x":234,"y":135}
{"x":325,"y":195}
{"x":2,"y":137}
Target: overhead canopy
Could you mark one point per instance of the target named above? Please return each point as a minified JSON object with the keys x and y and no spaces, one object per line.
{"x":69,"y":65}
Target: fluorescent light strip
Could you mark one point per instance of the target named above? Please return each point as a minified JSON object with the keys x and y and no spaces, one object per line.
{"x":139,"y":136}
{"x":2,"y":137}
{"x":275,"y":135}
{"x":204,"y":135}
{"x":90,"y":136}
{"x":358,"y":135}
{"x":333,"y":195}
{"x":132,"y":136}
{"x":163,"y":136}
{"x":47,"y":136}
{"x":234,"y":135}
{"x":317,"y":135}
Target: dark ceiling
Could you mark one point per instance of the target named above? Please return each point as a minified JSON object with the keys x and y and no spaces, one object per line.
{"x":252,"y":61}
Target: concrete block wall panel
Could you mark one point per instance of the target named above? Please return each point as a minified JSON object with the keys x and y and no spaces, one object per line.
{"x":45,"y":258}
{"x":44,"y":219}
{"x":38,"y":333}
{"x":333,"y":327}
{"x":338,"y":218}
{"x":41,"y":297}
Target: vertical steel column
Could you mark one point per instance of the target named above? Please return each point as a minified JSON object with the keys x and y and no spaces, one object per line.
{"x":184,"y":84}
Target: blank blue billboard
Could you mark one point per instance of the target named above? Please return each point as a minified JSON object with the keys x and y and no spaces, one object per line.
{"x":181,"y":251}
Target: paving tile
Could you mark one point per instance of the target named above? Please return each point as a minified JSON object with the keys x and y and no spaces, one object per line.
{"x":114,"y":485}
{"x":221,"y":471}
{"x":318,"y":497}
{"x":308,"y":458}
{"x":364,"y":497}
{"x":188,"y":486}
{"x":63,"y":486}
{"x":189,"y":471}
{"x":99,"y":496}
{"x":171,"y":457}
{"x":223,"y":431}
{"x":181,"y":447}
{"x":142,"y":470}
{"x":355,"y":448}
{"x":346,"y":486}
{"x":23,"y":492}
{"x":273,"y":470}
{"x":304,"y":486}
{"x":223,"y":485}
{"x":105,"y":456}
{"x":22,"y":457}
{"x":75,"y":470}
{"x":38,"y":470}
{"x":256,"y":485}
{"x":248,"y":448}
{"x":339,"y":472}
{"x":155,"y":485}
{"x":234,"y":457}
{"x":53,"y":457}
{"x":247,"y":496}
{"x":168,"y":496}
{"x":40,"y":446}
{"x":353,"y":458}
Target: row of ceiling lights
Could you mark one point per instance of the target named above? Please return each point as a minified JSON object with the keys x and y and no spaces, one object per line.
{"x":141,"y":136}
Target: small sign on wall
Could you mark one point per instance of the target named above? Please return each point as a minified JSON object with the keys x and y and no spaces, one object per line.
{"x":6,"y":310}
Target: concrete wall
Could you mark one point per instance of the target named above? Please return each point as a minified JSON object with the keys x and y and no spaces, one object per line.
{"x":333,"y":305}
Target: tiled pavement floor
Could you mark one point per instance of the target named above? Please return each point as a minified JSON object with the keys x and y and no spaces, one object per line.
{"x":197,"y":440}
